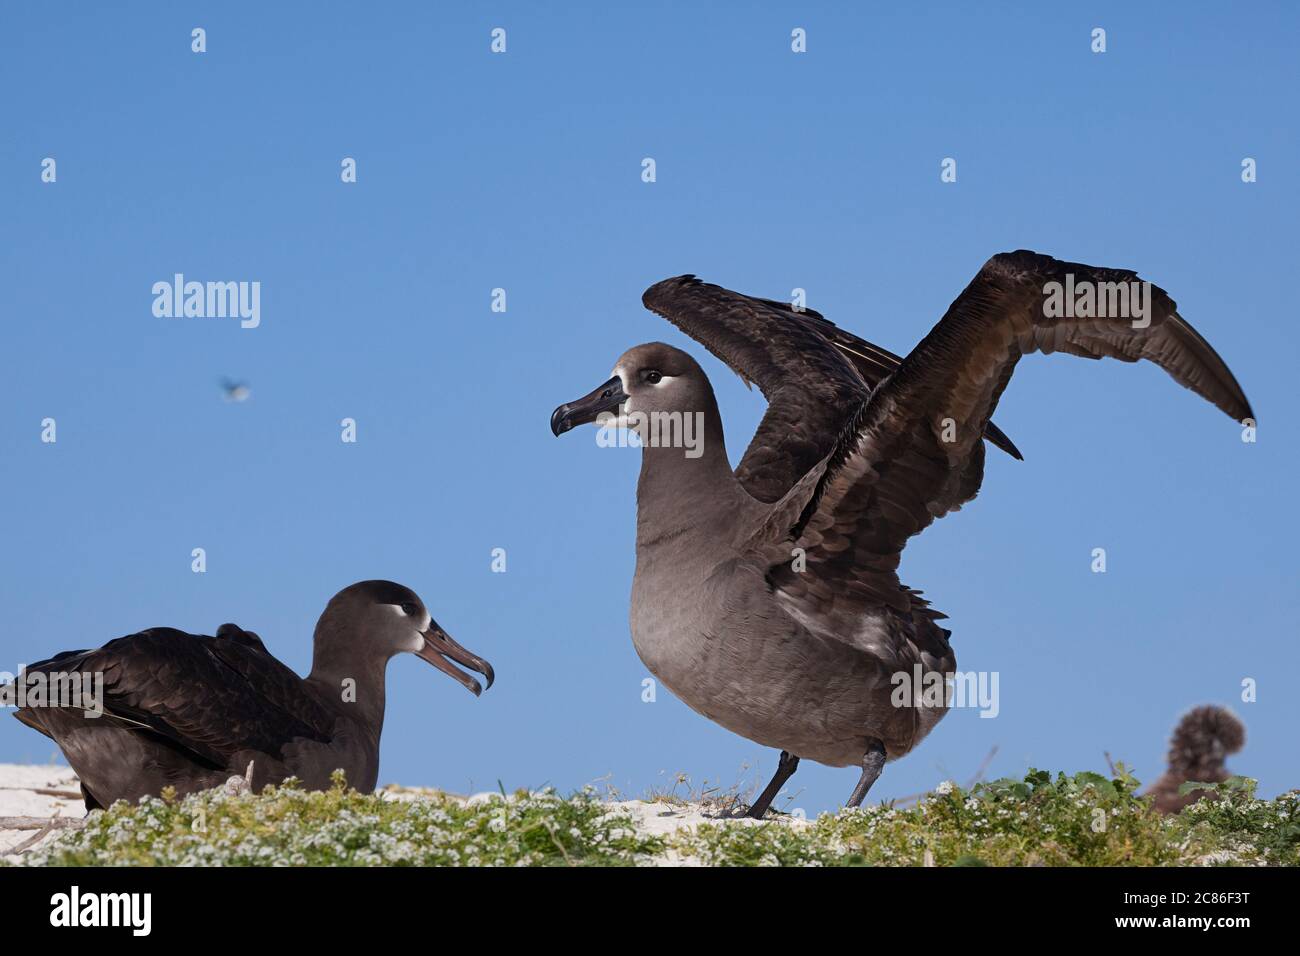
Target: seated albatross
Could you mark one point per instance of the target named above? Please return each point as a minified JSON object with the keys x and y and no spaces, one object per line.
{"x":189,"y":711}
{"x":768,"y":598}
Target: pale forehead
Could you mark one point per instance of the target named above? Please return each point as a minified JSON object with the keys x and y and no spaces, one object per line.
{"x":643,"y":356}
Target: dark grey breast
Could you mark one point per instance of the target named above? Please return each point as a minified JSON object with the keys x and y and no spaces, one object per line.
{"x":813,"y":374}
{"x":895,"y":469}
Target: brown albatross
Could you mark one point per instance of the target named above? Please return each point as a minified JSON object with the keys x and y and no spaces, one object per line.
{"x":1201,"y":742}
{"x":768,"y":598}
{"x":189,"y":711}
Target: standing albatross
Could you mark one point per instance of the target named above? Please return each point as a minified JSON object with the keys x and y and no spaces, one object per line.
{"x":768,"y":598}
{"x":189,"y":711}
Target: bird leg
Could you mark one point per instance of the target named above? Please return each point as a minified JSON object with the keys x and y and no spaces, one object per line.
{"x":785,"y":768}
{"x":873,"y":761}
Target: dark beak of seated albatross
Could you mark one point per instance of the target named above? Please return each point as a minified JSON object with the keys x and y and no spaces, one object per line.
{"x":438,"y":647}
{"x":606,"y":398}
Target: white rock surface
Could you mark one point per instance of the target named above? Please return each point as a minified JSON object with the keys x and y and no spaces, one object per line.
{"x":661,"y":819}
{"x":21,"y":796}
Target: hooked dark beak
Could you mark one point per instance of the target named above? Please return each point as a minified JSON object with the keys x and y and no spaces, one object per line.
{"x":606,"y":398}
{"x":438,"y":646}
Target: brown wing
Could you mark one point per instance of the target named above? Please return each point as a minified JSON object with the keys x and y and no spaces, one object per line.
{"x":914,"y":452}
{"x":813,"y":374}
{"x":875,"y":364}
{"x":811,"y":388}
{"x":213,"y":696}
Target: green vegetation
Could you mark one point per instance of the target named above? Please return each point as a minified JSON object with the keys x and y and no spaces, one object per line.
{"x":286,"y":826}
{"x":1081,"y":820}
{"x":1085,"y":819}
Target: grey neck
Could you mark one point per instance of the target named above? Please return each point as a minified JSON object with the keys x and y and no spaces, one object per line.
{"x":353,"y":687}
{"x":678,"y":495}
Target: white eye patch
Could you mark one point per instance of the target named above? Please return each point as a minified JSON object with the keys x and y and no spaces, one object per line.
{"x":622,"y":377}
{"x":421,"y":623}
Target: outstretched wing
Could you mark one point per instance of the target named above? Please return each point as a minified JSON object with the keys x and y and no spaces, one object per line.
{"x":875,"y":364}
{"x":214,"y":697}
{"x":811,"y":388}
{"x":913,"y":452}
{"x":813,"y":374}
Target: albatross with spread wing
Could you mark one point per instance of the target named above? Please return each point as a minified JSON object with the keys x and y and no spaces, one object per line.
{"x":768,"y":598}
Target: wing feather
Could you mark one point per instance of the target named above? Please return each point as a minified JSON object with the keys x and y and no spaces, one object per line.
{"x":813,"y":374}
{"x":212,"y":696}
{"x":913,"y":452}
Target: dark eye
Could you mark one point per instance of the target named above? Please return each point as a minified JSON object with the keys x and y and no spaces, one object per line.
{"x":408,"y":610}
{"x":653,"y":377}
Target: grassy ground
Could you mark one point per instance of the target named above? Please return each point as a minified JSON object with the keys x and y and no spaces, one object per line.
{"x":1085,"y":819}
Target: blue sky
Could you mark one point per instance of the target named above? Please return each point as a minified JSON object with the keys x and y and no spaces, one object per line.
{"x":522,"y":171}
